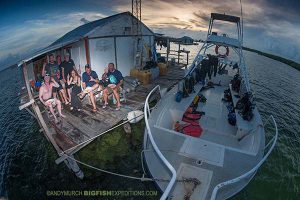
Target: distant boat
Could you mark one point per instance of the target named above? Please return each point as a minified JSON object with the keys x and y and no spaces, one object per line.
{"x":216,"y":156}
{"x":185,"y":40}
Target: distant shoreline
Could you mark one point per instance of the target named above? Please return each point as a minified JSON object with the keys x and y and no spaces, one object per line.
{"x":291,"y":63}
{"x":278,"y":58}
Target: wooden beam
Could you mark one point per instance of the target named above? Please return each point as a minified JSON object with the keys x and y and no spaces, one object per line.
{"x":37,"y":111}
{"x":26,"y":104}
{"x":31,"y":113}
{"x":25,"y":77}
{"x":168,"y":51}
{"x":87,"y":50}
{"x":178,"y":53}
{"x":116,"y":55}
{"x":63,"y":156}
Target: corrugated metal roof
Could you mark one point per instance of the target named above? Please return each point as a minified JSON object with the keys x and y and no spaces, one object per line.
{"x":83,"y":30}
{"x":76,"y":34}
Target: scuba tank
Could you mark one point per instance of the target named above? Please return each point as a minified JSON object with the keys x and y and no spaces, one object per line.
{"x":179,"y":94}
{"x":192,"y":83}
{"x":185,"y":88}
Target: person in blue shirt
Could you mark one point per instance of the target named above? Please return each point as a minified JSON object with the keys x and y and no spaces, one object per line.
{"x":90,"y":82}
{"x":115,"y":78}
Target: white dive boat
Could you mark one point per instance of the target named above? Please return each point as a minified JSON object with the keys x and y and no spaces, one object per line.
{"x":219,"y":161}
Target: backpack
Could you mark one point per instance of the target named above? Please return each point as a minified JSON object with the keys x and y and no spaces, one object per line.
{"x":192,"y":117}
{"x":185,"y":89}
{"x":193,"y":129}
{"x":192,"y":83}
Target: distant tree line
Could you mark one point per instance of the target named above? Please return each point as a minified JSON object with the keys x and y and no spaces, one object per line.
{"x":274,"y":57}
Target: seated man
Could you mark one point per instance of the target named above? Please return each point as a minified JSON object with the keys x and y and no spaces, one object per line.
{"x":90,"y":82}
{"x":115,"y":78}
{"x":45,"y":95}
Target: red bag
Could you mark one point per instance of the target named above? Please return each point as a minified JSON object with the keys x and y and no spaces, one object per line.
{"x":191,"y":117}
{"x":193,"y":129}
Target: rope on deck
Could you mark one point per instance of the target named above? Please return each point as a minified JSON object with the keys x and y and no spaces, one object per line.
{"x":112,"y":173}
{"x":143,"y":178}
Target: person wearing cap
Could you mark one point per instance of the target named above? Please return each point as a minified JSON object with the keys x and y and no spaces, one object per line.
{"x":51,"y":68}
{"x":67,"y":66}
{"x":46,"y":96}
{"x":90,"y":82}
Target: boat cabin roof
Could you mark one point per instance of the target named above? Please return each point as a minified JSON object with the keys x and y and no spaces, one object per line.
{"x":223,"y":40}
{"x":224,"y":17}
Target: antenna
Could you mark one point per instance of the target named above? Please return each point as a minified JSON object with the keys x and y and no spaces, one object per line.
{"x":136,"y":11}
{"x":137,"y":31}
{"x":242,"y":25}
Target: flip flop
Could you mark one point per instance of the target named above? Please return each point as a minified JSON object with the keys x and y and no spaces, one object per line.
{"x":81,"y":96}
{"x":94,"y":110}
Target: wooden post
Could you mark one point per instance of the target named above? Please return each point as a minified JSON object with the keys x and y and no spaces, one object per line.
{"x":37,"y":111}
{"x":87,"y":50}
{"x":178,"y":53}
{"x":115,"y":47}
{"x":25,"y":77}
{"x":168,"y":50}
{"x":187,"y":58}
{"x":48,"y":134}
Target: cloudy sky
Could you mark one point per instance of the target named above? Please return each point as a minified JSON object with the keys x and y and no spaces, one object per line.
{"x":269,"y":25}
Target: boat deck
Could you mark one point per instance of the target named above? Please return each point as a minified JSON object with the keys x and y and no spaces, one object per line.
{"x":80,"y":126}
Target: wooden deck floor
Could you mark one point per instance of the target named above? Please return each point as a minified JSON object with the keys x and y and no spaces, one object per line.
{"x":79,"y":126}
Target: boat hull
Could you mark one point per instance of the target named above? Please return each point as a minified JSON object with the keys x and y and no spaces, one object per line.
{"x":207,"y":158}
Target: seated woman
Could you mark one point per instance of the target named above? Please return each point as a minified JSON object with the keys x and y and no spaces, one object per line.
{"x":74,"y":88}
{"x":104,"y":82}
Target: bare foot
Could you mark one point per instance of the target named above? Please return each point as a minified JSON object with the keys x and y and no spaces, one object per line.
{"x":63,"y":116}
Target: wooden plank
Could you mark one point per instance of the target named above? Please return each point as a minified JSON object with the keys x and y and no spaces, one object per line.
{"x":61,"y":139}
{"x":25,"y":105}
{"x":89,"y":124}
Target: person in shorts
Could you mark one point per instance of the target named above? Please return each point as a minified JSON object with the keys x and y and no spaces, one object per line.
{"x":90,"y":82}
{"x":46,"y":96}
{"x":115,"y":78}
{"x":52,"y":68}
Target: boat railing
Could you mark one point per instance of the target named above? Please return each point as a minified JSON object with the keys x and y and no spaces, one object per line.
{"x":255,"y":168}
{"x":155,"y":147}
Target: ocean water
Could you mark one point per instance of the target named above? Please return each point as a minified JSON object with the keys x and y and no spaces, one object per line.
{"x":27,"y":168}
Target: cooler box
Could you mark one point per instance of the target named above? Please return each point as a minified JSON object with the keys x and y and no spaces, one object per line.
{"x":162,"y":68}
{"x":154,"y":73}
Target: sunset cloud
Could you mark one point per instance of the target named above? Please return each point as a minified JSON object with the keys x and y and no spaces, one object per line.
{"x":269,"y":25}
